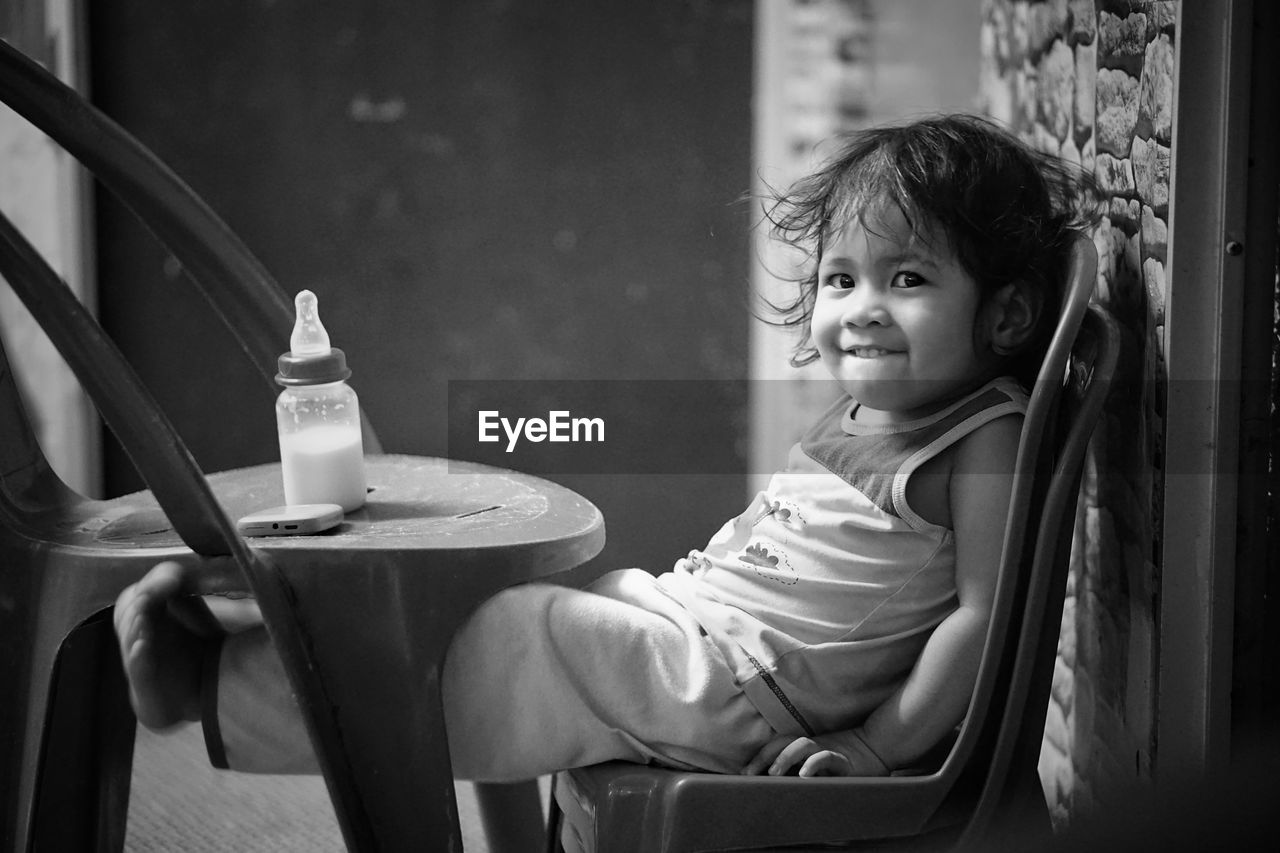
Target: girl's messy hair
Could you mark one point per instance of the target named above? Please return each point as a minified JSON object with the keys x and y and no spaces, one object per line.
{"x":1009,"y":212}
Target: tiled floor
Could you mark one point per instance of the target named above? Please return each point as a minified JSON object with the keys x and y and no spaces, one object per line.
{"x":179,"y":804}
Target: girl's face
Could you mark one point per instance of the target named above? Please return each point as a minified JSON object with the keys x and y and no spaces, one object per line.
{"x":894,"y":319}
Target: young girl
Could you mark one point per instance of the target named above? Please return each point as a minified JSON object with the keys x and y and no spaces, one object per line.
{"x":835,"y":626}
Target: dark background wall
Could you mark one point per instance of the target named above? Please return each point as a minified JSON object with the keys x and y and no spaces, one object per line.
{"x":476,"y":190}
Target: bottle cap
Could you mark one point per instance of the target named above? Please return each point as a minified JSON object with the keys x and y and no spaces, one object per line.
{"x":310,"y":360}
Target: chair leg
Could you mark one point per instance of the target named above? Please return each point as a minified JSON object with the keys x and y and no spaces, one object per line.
{"x":555,"y":820}
{"x":1023,"y":821}
{"x":512,"y":816}
{"x":82,"y":793}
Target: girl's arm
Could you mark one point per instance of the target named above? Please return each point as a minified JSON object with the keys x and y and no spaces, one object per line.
{"x":933,"y":699}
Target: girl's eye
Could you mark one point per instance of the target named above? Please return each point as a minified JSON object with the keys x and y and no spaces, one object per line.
{"x":907,"y":279}
{"x":840,"y":280}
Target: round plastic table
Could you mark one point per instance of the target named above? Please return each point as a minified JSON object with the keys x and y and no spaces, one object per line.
{"x":376,"y":601}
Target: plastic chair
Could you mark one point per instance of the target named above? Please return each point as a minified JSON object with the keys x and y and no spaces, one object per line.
{"x":66,"y":729}
{"x":57,"y":652}
{"x":985,"y":785}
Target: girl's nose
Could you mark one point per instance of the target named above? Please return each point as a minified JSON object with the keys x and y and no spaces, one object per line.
{"x":865,"y":306}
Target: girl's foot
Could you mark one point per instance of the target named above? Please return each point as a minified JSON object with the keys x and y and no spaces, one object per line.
{"x":164,"y":632}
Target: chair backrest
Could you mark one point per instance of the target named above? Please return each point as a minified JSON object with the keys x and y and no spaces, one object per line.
{"x":249,"y":302}
{"x":172,"y":210}
{"x":1005,"y":721}
{"x":226,"y":272}
{"x":1018,"y":659}
{"x":1031,"y":645}
{"x":253,"y":307}
{"x":126,"y":406}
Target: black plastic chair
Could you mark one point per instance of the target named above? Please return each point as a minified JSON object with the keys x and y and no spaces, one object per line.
{"x":62,"y":569}
{"x":985,"y":785}
{"x":66,"y":728}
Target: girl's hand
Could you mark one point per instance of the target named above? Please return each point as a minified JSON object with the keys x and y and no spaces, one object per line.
{"x":836,"y":754}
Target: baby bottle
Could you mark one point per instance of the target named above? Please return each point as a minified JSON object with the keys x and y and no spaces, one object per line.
{"x":318,"y":417}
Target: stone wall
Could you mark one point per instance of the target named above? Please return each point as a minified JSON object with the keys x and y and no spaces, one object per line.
{"x":1092,"y":81}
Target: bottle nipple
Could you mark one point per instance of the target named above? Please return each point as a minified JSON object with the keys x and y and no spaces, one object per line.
{"x":309,"y":337}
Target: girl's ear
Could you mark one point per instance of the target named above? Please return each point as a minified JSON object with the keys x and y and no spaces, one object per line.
{"x":1012,"y":315}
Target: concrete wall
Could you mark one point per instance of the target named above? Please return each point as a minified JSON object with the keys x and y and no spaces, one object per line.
{"x":1092,"y":80}
{"x":533,"y":192}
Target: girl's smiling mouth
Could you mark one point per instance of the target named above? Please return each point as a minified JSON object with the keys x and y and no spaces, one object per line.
{"x":871,"y":352}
